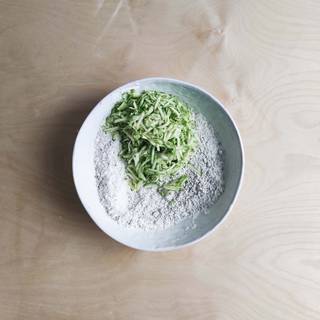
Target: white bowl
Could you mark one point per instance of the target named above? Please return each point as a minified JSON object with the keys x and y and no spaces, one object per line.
{"x":181,"y":234}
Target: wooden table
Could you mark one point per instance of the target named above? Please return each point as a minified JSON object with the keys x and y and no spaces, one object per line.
{"x":261,"y":58}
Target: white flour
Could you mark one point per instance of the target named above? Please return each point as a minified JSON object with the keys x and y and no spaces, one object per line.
{"x":147,"y":209}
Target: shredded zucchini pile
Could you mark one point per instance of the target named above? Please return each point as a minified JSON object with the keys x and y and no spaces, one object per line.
{"x":157,"y":134}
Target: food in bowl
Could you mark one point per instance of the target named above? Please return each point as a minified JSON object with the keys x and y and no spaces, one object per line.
{"x":156,"y":161}
{"x":157,"y":136}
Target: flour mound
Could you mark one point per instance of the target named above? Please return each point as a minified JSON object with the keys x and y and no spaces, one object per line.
{"x":147,"y":209}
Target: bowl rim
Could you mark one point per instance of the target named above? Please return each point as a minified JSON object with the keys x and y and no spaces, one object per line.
{"x":240,"y":182}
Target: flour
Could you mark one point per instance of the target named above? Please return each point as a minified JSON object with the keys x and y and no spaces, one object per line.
{"x":147,"y":209}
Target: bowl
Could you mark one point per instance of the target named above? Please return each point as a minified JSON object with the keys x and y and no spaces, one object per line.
{"x":183,"y":233}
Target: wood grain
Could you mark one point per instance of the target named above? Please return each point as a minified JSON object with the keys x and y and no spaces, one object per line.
{"x":261,"y":58}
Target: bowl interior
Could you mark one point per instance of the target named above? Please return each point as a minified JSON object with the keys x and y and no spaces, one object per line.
{"x":189,"y":230}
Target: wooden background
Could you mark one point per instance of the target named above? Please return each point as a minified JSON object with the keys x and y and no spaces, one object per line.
{"x":261,"y":58}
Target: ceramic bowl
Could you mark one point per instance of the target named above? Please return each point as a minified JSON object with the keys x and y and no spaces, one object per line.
{"x":181,"y":234}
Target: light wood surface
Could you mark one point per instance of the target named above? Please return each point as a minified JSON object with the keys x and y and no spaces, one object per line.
{"x":261,"y":58}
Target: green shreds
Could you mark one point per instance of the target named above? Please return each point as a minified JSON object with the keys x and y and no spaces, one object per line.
{"x":157,"y":134}
{"x":174,"y":185}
